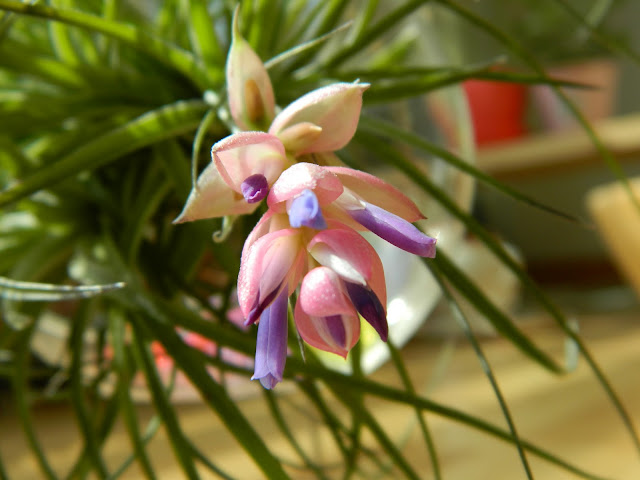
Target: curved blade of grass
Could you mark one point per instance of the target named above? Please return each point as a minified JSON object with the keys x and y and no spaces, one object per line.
{"x":42,"y":67}
{"x":590,"y":25}
{"x":46,"y":292}
{"x":203,"y":36}
{"x":328,"y":418}
{"x":276,"y":414}
{"x":375,"y":31}
{"x":530,"y":60}
{"x":128,"y":410}
{"x":80,"y":407}
{"x":440,"y":276}
{"x":19,"y":381}
{"x":346,"y":398}
{"x":500,"y":321}
{"x":203,"y":127}
{"x":396,"y":358}
{"x":208,"y":463}
{"x":166,"y":122}
{"x":217,"y":398}
{"x":322,"y":23}
{"x":341,"y":381}
{"x":392,"y":132}
{"x":482,"y":72}
{"x":615,"y":168}
{"x":303,"y":47}
{"x":163,"y":405}
{"x":169,"y":54}
{"x":61,"y":42}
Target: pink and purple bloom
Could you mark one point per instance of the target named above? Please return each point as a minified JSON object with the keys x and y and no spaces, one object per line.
{"x":245,"y":164}
{"x":308,"y":239}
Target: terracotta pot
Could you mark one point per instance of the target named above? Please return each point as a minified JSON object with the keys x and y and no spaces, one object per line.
{"x":497,"y":110}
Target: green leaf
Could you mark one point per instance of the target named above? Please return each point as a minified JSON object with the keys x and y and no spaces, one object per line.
{"x":163,"y":406}
{"x":394,"y":133}
{"x":154,"y":126}
{"x":441,"y":277}
{"x":165,"y":52}
{"x":374,"y":32}
{"x":203,"y":37}
{"x":614,"y":167}
{"x":498,"y":319}
{"x":80,"y":407}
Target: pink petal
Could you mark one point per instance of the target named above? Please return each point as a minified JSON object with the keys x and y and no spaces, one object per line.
{"x":249,"y":89}
{"x":271,"y":263}
{"x":304,"y":176}
{"x":350,"y":256}
{"x":378,"y":192}
{"x":335,"y":109}
{"x":213,"y":198}
{"x":322,"y":295}
{"x":243,"y":154}
{"x":317,"y":331}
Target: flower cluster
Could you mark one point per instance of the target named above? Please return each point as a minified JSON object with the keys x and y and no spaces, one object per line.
{"x":308,"y":240}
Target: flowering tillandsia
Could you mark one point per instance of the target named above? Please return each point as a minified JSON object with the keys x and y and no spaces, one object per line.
{"x":309,"y":238}
{"x":245,"y":164}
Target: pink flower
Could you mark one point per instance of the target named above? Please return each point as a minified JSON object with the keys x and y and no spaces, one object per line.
{"x":308,"y":238}
{"x":245,"y":164}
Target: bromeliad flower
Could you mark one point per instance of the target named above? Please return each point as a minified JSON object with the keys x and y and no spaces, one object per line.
{"x":308,"y":238}
{"x":245,"y":164}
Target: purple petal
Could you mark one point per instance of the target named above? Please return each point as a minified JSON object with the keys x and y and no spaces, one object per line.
{"x":271,"y":345}
{"x":368,"y":305}
{"x":255,"y":188}
{"x":259,"y":307}
{"x":305,"y":211}
{"x":335,"y":325}
{"x":395,"y":230}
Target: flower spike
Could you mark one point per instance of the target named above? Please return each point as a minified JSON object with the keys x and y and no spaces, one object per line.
{"x":249,"y":88}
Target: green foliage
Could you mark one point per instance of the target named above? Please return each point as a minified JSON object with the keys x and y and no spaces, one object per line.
{"x":106,"y":113}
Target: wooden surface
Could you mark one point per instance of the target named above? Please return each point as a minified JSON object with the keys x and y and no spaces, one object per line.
{"x":567,"y":149}
{"x":569,"y":416}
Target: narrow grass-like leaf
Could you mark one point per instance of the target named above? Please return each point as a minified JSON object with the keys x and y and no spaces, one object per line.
{"x":61,"y":39}
{"x":3,"y":471}
{"x":125,"y":374}
{"x":169,"y":54}
{"x":203,"y":37}
{"x":165,"y":122}
{"x":376,"y":430}
{"x":375,"y":31}
{"x":163,"y":405}
{"x":592,"y":28}
{"x":321,"y":23}
{"x":19,"y":384}
{"x":278,"y":417}
{"x":328,"y":417}
{"x":303,"y":47}
{"x":203,"y":128}
{"x":500,"y":321}
{"x":396,"y":358}
{"x":46,"y":292}
{"x":45,"y":68}
{"x":80,"y":407}
{"x":217,"y":398}
{"x":392,"y":132}
{"x":347,"y":382}
{"x":530,"y":60}
{"x":439,"y":275}
{"x":615,"y":168}
{"x":202,"y":458}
